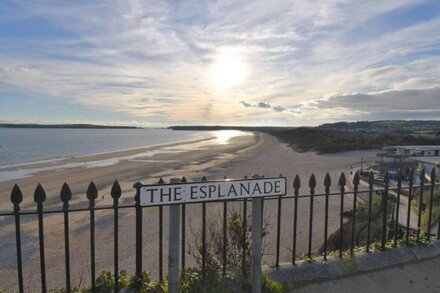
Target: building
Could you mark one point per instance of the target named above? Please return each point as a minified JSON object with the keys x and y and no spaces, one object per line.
{"x":393,"y":158}
{"x":428,"y":163}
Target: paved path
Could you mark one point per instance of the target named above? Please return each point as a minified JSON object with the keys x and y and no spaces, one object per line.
{"x":421,"y":276}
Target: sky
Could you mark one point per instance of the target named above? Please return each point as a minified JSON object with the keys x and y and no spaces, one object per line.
{"x":160,"y":63}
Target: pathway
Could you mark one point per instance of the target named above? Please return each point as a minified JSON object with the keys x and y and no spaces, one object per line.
{"x":420,"y":276}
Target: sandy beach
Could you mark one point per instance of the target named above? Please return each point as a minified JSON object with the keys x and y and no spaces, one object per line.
{"x":240,"y":156}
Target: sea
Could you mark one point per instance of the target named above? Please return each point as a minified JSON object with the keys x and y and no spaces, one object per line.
{"x":28,"y":145}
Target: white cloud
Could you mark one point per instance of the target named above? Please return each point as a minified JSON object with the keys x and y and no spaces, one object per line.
{"x":118,"y":56}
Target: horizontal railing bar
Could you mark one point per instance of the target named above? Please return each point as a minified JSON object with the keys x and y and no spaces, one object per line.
{"x":97,"y":208}
{"x":110,"y":207}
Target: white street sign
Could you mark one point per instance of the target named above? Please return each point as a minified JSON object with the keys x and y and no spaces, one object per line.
{"x":166,"y":194}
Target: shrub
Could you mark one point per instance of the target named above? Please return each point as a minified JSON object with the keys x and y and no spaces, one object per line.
{"x":213,"y":280}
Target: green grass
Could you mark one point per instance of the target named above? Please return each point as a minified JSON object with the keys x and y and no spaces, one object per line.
{"x":426,"y":202}
{"x":331,"y":141}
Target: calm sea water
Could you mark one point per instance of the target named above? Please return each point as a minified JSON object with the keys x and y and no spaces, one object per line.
{"x":19,"y":146}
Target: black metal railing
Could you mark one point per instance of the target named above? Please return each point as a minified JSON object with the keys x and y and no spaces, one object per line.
{"x":295,"y":197}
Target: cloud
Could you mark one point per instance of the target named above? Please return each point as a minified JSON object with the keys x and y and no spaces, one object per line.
{"x":405,"y":104}
{"x":246,"y":104}
{"x":279,"y":108}
{"x":264,"y":105}
{"x":147,"y":60}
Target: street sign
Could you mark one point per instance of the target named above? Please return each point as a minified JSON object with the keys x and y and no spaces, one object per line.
{"x":167,"y":194}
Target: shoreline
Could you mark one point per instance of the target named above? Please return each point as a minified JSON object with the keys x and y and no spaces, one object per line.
{"x":243,"y":155}
{"x":98,"y":159}
{"x":56,"y":159}
{"x":189,"y":159}
{"x":93,"y":155}
{"x":125,"y":165}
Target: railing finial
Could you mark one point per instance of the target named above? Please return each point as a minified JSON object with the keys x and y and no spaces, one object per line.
{"x":386,"y":178}
{"x":312,"y":181}
{"x":371,"y":179}
{"x":399,"y":177}
{"x":116,"y":190}
{"x":137,"y":185}
{"x":92,"y":192}
{"x":411,"y":176}
{"x":297,"y":182}
{"x":342,"y":180}
{"x":327,"y":181}
{"x":39,"y":194}
{"x":356,"y":178}
{"x":16,"y":195}
{"x":422,"y":176}
{"x":65,"y":193}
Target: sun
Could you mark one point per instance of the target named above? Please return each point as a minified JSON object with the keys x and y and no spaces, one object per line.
{"x":228,"y":70}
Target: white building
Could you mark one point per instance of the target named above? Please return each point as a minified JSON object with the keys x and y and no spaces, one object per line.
{"x":428,"y":163}
{"x":404,"y":158}
{"x":414,"y":150}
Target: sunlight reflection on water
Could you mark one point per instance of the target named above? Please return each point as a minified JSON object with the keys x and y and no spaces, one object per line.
{"x":220,"y":137}
{"x":223,"y":136}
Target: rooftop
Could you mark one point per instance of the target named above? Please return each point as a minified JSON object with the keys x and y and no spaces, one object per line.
{"x":432,"y":160}
{"x":415,"y":147}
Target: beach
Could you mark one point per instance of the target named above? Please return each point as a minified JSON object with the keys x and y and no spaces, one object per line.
{"x":236,"y":156}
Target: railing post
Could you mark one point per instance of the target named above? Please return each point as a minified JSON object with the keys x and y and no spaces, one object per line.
{"x":244,"y":240}
{"x":384,"y":212}
{"x":161,"y":238}
{"x":421,"y":208}
{"x":410,"y":195}
{"x":116,"y":194}
{"x":203,"y":235}
{"x":296,"y":186}
{"x":370,"y":199}
{"x":396,"y":221}
{"x":277,"y":261}
{"x":39,"y":198}
{"x":173,"y":245}
{"x":327,"y":184}
{"x":356,"y":180}
{"x":65,"y":196}
{"x":92,"y":194}
{"x":183,"y":226}
{"x":342,"y":182}
{"x":312,"y":185}
{"x":256,"y":241}
{"x":16,"y":199}
{"x":138,"y":230}
{"x":430,"y":202}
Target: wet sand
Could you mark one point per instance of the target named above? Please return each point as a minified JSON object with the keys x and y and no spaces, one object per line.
{"x":243,"y":155}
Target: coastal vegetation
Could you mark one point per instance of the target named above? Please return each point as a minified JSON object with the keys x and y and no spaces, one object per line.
{"x":361,"y":226}
{"x":404,"y":126}
{"x":343,"y":136}
{"x":331,"y":141}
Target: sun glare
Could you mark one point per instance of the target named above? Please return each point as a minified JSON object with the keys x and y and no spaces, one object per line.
{"x":228,"y":70}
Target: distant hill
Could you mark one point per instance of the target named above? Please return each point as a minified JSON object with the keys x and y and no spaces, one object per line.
{"x":220,"y":127}
{"x":416,"y":126}
{"x":346,"y":136}
{"x":331,"y":141}
{"x":70,"y":126}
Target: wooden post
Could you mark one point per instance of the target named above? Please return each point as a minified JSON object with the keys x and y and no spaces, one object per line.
{"x":173,"y":245}
{"x":256,"y":241}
